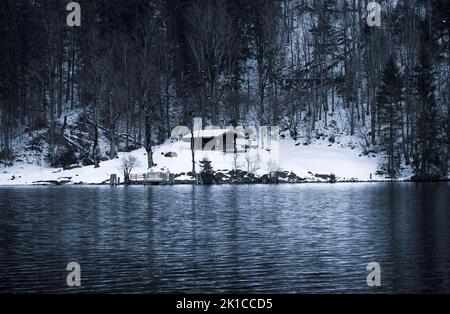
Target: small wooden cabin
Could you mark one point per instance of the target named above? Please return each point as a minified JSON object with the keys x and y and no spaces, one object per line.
{"x":214,"y":139}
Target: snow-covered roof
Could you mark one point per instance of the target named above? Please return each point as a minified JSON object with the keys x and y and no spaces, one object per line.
{"x":212,"y":133}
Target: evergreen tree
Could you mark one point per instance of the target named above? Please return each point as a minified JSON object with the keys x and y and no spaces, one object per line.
{"x":430,"y":153}
{"x":207,"y":171}
{"x":389,"y":99}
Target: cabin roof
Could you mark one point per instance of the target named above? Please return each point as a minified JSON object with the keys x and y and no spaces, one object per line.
{"x":209,"y":133}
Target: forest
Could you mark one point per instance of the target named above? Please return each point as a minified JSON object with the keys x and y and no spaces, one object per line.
{"x":136,"y":69}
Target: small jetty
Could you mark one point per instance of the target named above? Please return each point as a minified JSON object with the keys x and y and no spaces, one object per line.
{"x":152,"y":178}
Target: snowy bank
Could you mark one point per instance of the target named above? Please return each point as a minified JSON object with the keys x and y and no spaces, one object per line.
{"x":309,"y":162}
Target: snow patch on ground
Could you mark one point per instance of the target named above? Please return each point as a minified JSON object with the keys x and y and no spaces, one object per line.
{"x":325,"y":159}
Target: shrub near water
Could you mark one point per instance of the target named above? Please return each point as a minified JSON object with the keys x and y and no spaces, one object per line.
{"x":207,"y":172}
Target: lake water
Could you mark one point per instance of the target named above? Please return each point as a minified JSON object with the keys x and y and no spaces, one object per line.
{"x":258,"y":238}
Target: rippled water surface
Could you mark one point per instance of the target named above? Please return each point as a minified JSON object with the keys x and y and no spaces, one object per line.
{"x":286,"y":238}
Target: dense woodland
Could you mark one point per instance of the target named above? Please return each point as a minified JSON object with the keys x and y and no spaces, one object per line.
{"x":138,"y":68}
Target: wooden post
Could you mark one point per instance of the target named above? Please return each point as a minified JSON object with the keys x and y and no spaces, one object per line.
{"x":113,"y":180}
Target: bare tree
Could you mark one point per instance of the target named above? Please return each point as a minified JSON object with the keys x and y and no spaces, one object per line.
{"x":128,"y":163}
{"x":209,"y":37}
{"x":147,"y":79}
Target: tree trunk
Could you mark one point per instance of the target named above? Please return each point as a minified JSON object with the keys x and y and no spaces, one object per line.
{"x":73,"y":72}
{"x":112,"y":149}
{"x":112,"y":129}
{"x":148,"y":141}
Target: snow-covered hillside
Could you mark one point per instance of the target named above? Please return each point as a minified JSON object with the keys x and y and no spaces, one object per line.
{"x":306,"y":161}
{"x":313,"y":157}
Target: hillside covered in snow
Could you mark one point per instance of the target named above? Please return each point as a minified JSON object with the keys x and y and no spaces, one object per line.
{"x":308,"y":160}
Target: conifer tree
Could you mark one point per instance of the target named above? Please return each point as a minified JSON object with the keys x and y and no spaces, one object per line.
{"x":389,"y":99}
{"x":430,"y":152}
{"x":207,"y":171}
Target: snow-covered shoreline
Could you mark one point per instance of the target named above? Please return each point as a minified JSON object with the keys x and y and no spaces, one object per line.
{"x":312,"y":163}
{"x":221,"y":184}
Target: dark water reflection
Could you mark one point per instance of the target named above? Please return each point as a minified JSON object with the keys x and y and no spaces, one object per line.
{"x":287,"y":238}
